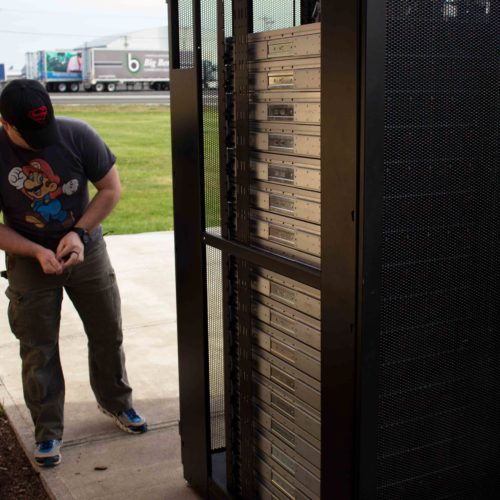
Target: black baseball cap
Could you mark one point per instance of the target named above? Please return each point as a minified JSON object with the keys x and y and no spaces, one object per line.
{"x":26,"y":105}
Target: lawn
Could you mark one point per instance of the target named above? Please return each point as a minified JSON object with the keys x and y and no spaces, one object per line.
{"x":139,"y":135}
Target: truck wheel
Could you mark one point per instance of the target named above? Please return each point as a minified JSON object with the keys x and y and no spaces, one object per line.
{"x":62,"y":87}
{"x":99,"y":87}
{"x":74,"y":87}
{"x":111,"y":87}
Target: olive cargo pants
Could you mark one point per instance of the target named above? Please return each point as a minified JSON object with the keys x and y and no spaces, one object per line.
{"x":34,"y":316}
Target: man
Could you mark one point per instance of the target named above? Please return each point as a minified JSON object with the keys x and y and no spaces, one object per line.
{"x":75,"y":63}
{"x":53,"y":241}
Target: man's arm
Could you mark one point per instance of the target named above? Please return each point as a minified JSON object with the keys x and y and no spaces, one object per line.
{"x":13,"y":242}
{"x":102,"y":204}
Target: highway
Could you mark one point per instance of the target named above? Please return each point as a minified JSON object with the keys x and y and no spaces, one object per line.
{"x":130,"y":97}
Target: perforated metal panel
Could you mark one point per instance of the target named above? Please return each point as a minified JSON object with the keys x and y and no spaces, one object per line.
{"x":275,"y":15}
{"x":228,"y":18}
{"x":212,"y":198}
{"x":439,"y":412}
{"x":216,"y":347}
{"x":210,"y":115}
{"x":186,"y":37}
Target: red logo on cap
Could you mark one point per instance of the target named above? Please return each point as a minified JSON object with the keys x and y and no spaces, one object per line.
{"x":39,"y":114}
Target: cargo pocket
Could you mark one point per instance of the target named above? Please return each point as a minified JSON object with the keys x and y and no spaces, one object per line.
{"x":13,"y":311}
{"x":34,"y":315}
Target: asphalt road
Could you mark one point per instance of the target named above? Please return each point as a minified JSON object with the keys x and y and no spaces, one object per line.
{"x":119,"y":97}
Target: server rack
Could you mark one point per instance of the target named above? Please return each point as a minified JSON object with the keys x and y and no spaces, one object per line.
{"x":336,"y":216}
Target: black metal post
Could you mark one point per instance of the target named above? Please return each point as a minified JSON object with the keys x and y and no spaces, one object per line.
{"x":339,"y":209}
{"x":370,"y":236}
{"x":186,"y":112}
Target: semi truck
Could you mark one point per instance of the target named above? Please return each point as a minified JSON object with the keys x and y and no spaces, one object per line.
{"x":104,"y":69}
{"x":99,"y":69}
{"x":59,"y":70}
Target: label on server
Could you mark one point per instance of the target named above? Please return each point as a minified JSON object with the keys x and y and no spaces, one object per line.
{"x":295,"y":299}
{"x":295,"y":113}
{"x":300,"y":79}
{"x":293,"y":314}
{"x":297,"y":329}
{"x":282,"y":235}
{"x":292,"y":74}
{"x":281,"y":49}
{"x":281,"y":112}
{"x":297,"y":79}
{"x":298,"y":143}
{"x":282,"y":292}
{"x":287,"y":282}
{"x":288,"y":405}
{"x":288,"y":236}
{"x":289,"y":203}
{"x":285,"y":106}
{"x":302,"y":472}
{"x":294,"y":42}
{"x":286,"y":372}
{"x":280,"y":80}
{"x":287,"y":428}
{"x":288,"y":433}
{"x":281,"y":142}
{"x":287,"y":251}
{"x":282,"y":204}
{"x":280,"y":482}
{"x":296,"y":382}
{"x":281,"y":174}
{"x":286,"y":171}
{"x":286,"y":349}
{"x":281,"y":458}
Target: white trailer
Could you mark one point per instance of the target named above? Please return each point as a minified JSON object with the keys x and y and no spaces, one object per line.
{"x":105,"y":69}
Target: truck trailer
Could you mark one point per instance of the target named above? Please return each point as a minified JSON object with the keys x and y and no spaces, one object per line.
{"x":59,"y":70}
{"x":99,"y":69}
{"x":104,"y":69}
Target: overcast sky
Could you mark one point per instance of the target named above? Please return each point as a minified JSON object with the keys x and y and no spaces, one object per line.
{"x":30,"y":25}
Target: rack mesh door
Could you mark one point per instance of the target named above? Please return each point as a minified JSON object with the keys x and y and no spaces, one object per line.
{"x":212,"y":198}
{"x":438,"y":411}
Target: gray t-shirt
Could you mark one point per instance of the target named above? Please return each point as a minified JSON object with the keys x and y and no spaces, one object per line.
{"x":43,"y":193}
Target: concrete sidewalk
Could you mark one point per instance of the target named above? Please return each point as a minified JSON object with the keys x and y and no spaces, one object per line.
{"x":141,"y":467}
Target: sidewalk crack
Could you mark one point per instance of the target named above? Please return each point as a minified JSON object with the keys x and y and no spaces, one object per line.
{"x":160,"y":426}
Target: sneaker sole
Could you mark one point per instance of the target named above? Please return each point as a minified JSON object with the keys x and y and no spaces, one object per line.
{"x":140,"y":429}
{"x":48,"y":461}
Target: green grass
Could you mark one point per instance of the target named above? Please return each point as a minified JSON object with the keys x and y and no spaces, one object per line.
{"x":139,"y":135}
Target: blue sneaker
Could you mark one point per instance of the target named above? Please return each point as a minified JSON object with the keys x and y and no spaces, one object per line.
{"x":47,"y":453}
{"x":129,"y":420}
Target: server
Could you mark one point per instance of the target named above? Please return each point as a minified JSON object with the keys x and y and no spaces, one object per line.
{"x":285,"y":213}
{"x":337,"y":258}
{"x":284,"y":122}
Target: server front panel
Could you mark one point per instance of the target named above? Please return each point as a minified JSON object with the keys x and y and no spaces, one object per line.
{"x":284,"y":201}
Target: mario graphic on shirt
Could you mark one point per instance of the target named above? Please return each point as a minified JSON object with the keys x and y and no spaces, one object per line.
{"x":42,"y":187}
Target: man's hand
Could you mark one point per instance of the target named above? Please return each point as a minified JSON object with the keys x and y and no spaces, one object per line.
{"x":70,"y":250}
{"x":48,"y":261}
